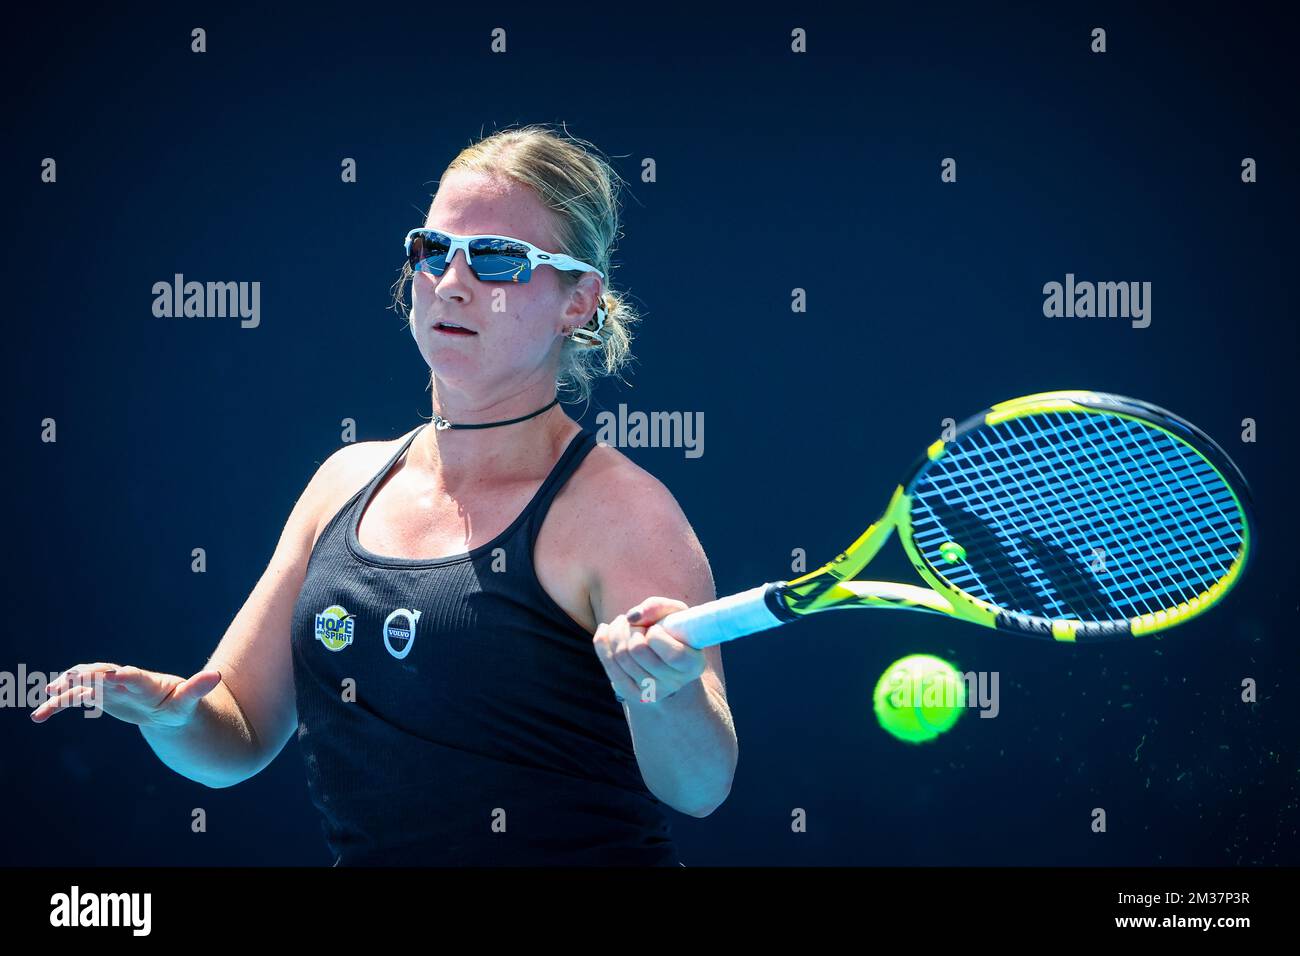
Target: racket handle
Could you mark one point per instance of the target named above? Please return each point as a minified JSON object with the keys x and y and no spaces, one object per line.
{"x":729,"y":617}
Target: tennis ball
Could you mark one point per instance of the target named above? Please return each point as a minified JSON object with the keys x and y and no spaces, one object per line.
{"x":919,"y":697}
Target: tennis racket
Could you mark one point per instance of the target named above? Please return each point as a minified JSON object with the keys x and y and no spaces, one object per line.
{"x":1071,"y":516}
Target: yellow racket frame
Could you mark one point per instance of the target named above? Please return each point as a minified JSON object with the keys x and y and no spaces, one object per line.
{"x":832,"y":586}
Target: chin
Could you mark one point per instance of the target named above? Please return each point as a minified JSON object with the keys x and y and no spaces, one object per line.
{"x":454,"y":367}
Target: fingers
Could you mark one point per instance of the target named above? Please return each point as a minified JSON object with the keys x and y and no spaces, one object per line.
{"x":97,"y":683}
{"x":133,"y":680}
{"x":635,"y":655}
{"x":625,"y":672}
{"x":660,"y":646}
{"x":625,"y":688}
{"x":653,"y":609}
{"x":71,"y":697}
{"x":79,"y":673}
{"x":680,"y":657}
{"x":639,"y":664}
{"x":188,"y":692}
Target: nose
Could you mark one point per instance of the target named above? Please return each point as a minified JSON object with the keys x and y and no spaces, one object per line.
{"x":454,"y":283}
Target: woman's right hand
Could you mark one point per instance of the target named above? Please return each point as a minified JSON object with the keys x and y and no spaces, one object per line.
{"x":146,"y":698}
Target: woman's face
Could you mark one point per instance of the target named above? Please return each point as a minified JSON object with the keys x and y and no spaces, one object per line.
{"x":516,"y":326}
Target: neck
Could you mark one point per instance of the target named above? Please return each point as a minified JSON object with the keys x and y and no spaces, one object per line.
{"x":467,"y":457}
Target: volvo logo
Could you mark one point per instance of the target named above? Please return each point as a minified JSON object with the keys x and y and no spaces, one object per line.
{"x":399,"y":631}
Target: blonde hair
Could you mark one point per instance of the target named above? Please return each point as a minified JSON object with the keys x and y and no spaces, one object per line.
{"x":581,"y":188}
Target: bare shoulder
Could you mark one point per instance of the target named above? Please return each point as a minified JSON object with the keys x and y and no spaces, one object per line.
{"x":631,"y":532}
{"x":345,"y":472}
{"x":631,"y":540}
{"x":627,"y":498}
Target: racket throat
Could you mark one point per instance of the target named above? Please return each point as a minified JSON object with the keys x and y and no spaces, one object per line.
{"x":822,"y":589}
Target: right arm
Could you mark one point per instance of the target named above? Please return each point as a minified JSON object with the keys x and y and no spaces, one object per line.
{"x":227,"y":722}
{"x":245,"y":722}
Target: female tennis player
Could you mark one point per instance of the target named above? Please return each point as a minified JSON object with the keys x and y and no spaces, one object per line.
{"x":456,"y":622}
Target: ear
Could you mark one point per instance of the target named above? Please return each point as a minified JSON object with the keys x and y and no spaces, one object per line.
{"x":583,"y":301}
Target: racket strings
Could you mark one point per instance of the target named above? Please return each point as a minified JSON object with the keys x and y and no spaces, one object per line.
{"x":1026,"y":545}
{"x":1077,"y":515}
{"x":1105,"y":508}
{"x":1096,"y":531}
{"x":1106,"y":502}
{"x":1189,"y":492}
{"x":1093,"y":493}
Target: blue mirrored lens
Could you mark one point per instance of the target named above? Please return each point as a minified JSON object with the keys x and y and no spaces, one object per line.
{"x":500,"y":260}
{"x":429,"y":252}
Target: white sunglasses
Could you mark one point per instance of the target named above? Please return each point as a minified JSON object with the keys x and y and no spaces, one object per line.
{"x":498,"y":259}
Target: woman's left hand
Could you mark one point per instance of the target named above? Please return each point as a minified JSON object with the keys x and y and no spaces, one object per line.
{"x":643,"y":661}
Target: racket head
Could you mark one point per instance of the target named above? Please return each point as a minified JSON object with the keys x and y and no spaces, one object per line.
{"x":1077,"y":516}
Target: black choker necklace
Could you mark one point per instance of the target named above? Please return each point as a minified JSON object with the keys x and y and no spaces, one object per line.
{"x":442,"y":424}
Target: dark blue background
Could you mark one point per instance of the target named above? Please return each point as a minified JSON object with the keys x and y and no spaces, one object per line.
{"x":179,"y":433}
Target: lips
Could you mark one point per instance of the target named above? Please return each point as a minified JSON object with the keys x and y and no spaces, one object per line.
{"x":451,"y":328}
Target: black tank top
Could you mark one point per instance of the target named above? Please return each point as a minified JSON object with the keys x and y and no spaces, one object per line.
{"x":451,"y":713}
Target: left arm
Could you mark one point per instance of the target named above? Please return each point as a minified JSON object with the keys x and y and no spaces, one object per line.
{"x":675,"y":696}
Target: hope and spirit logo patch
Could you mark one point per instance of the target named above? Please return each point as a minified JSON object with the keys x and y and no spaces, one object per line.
{"x":334,"y":628}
